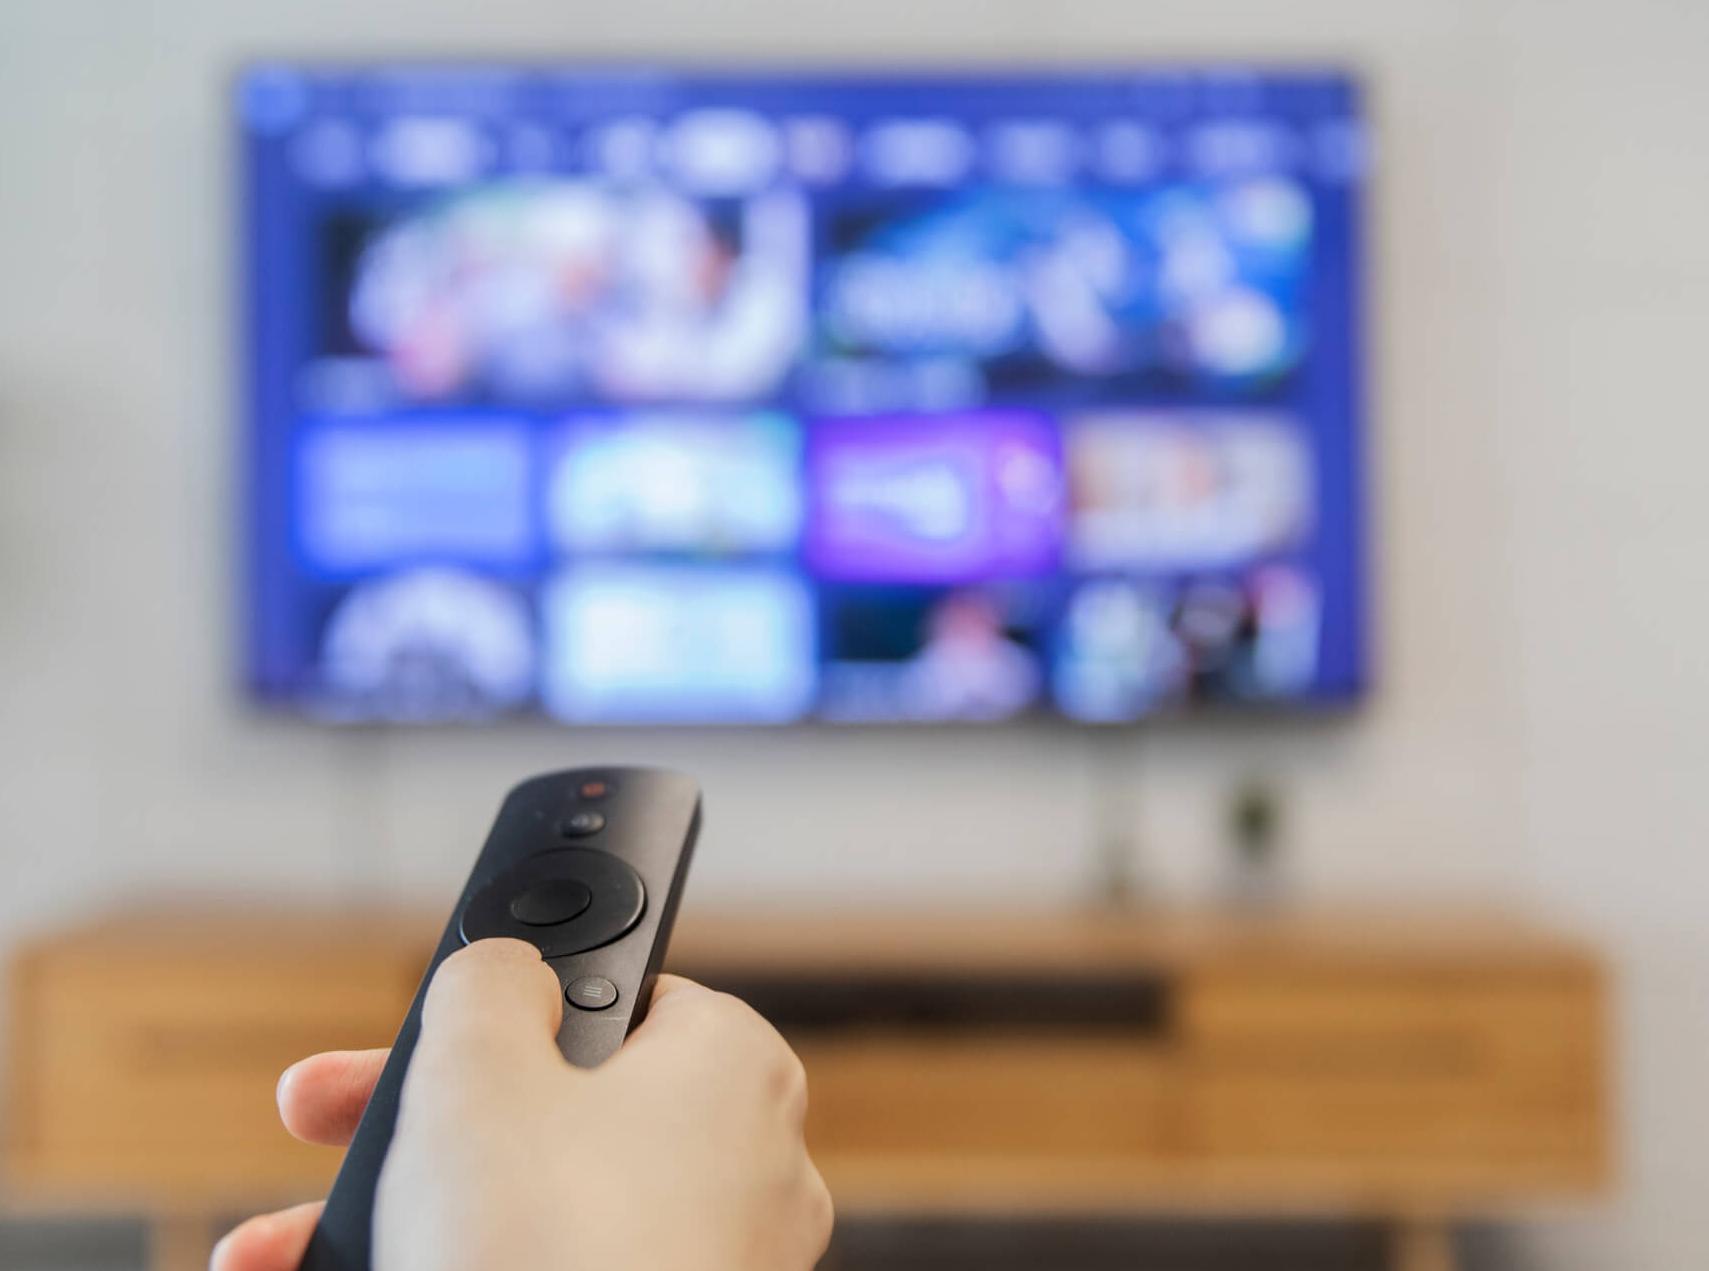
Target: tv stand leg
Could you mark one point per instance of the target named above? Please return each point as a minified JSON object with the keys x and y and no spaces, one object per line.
{"x":1422,"y":1244}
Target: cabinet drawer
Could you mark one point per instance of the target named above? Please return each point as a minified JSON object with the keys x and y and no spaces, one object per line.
{"x":994,"y":1095}
{"x":162,"y":1072}
{"x":1381,"y":1068}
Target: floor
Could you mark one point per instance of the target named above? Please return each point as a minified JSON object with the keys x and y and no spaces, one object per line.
{"x":911,"y":1246}
{"x":71,"y":1246}
{"x":1106,"y":1246}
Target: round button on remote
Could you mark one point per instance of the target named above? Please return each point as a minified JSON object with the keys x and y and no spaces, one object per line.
{"x":581,"y":824}
{"x":591,"y":993}
{"x":549,"y":903}
{"x":563,"y":902}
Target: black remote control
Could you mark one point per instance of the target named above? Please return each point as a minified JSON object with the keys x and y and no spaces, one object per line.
{"x":588,"y":866}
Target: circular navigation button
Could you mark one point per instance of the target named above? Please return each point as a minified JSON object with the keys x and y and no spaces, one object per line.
{"x":549,"y":903}
{"x":591,"y":993}
{"x":530,"y":899}
{"x":581,"y":824}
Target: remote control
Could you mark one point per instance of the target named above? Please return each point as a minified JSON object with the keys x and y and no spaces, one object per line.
{"x":588,"y":866}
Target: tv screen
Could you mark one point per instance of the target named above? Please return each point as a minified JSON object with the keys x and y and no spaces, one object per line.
{"x":647,"y":395}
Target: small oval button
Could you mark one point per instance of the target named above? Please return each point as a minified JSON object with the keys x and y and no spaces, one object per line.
{"x":581,"y":824}
{"x":591,"y":993}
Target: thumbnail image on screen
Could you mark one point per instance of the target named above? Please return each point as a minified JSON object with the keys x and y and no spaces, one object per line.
{"x":633,"y":395}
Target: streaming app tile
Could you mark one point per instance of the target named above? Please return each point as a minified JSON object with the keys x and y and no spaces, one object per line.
{"x":1116,"y":655}
{"x":915,"y":653}
{"x":934,"y":500}
{"x":1039,"y":289}
{"x":1289,"y":609}
{"x":703,"y":484}
{"x":549,"y":290}
{"x":427,"y":644}
{"x":372,"y":495}
{"x":631,"y":643}
{"x":1185,"y":490}
{"x":1127,"y":647}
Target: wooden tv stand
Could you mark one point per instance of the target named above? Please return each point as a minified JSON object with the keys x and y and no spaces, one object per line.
{"x":1416,"y":1068}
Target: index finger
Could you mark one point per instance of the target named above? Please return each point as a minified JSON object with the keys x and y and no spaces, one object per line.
{"x":321,"y":1098}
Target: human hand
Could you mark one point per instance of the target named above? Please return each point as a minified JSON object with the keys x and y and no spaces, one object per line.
{"x":320,"y":1101}
{"x":684,"y":1151}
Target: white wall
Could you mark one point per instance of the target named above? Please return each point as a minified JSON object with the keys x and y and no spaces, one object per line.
{"x":1542,"y":238}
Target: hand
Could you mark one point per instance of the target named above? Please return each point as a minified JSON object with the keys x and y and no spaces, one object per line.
{"x":683,"y":1152}
{"x":320,"y":1101}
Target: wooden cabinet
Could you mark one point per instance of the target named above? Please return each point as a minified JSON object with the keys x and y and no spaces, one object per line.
{"x":145,"y":1052}
{"x":1399,"y":1076}
{"x":1017,"y":1097}
{"x":1418,"y":1067}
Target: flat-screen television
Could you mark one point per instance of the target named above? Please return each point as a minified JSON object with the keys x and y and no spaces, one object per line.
{"x":635,"y":395}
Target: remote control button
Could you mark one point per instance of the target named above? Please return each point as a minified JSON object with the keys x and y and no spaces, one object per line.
{"x":594,"y":789}
{"x":591,"y":993}
{"x":549,"y":903}
{"x":617,"y":899}
{"x":579,"y":825}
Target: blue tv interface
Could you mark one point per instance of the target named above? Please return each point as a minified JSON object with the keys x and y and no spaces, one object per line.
{"x":634,"y":395}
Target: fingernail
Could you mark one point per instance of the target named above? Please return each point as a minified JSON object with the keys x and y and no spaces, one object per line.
{"x":218,"y":1255}
{"x":284,"y":1079}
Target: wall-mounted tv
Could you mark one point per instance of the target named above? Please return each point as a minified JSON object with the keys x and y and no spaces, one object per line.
{"x":636,"y":395}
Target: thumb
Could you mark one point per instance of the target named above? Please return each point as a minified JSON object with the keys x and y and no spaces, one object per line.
{"x":482,"y":1061}
{"x":492,"y":1007}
